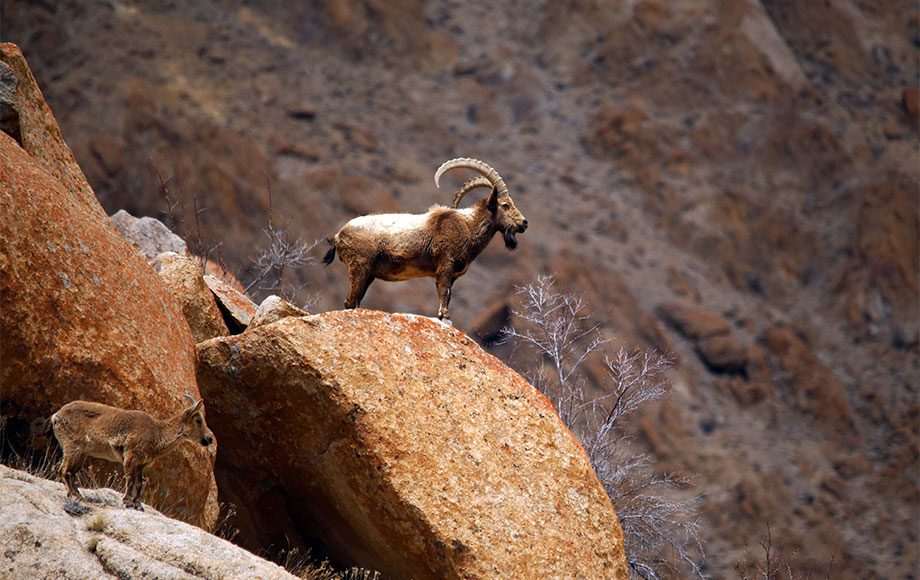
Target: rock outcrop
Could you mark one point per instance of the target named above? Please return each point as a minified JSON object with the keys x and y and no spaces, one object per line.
{"x":273,"y":309}
{"x":99,"y":540}
{"x":150,"y":236}
{"x":83,"y":316}
{"x":414,"y":451}
{"x":38,"y":131}
{"x":184,"y":277}
{"x":235,"y":306}
{"x":815,"y":389}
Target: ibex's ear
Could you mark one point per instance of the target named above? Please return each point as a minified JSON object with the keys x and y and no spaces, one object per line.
{"x":492,"y":202}
{"x":192,"y":410}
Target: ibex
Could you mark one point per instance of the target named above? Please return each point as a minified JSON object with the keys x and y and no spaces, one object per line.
{"x":132,"y":438}
{"x":441,"y":243}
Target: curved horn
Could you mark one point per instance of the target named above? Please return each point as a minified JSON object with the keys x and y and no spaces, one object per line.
{"x":470,"y":186}
{"x":189,"y":395}
{"x":479,"y":167}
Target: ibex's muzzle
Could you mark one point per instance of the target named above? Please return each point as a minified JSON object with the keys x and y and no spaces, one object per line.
{"x":207,"y":441}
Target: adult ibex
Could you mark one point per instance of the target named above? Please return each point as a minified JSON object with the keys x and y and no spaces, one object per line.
{"x":132,"y":438}
{"x":441,"y":243}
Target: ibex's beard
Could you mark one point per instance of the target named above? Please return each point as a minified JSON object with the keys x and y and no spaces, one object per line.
{"x":510,"y":239}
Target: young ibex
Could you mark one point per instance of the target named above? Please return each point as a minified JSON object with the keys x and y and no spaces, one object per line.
{"x":441,"y":243}
{"x":132,"y":438}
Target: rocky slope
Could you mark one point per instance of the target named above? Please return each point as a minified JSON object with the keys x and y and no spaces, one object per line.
{"x":753,"y":160}
{"x":100,"y":540}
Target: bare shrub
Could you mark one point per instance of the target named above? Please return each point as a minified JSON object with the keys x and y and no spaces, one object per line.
{"x":774,"y":565}
{"x":45,"y":464}
{"x":224,"y":527}
{"x":661,"y":534}
{"x":279,"y":255}
{"x":299,"y":563}
{"x":175,"y":210}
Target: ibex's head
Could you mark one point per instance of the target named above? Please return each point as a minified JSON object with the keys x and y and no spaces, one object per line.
{"x":195,"y":427}
{"x":505,"y":216}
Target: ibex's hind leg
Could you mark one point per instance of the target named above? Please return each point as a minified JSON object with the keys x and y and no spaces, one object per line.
{"x":360,"y":281}
{"x":70,"y":466}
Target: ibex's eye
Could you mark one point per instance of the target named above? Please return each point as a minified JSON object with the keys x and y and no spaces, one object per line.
{"x":198,"y":420}
{"x":505,"y":206}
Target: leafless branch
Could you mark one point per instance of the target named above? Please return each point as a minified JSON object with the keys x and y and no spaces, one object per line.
{"x":662,"y":535}
{"x":280,"y":253}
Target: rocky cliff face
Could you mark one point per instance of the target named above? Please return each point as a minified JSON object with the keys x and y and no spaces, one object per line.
{"x":754,"y":160}
{"x":404,"y":448}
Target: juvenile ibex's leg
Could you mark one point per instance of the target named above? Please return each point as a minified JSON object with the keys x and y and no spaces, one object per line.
{"x":132,"y":482}
{"x":444,"y":282}
{"x":70,"y":466}
{"x":360,"y":281}
{"x":138,"y":484}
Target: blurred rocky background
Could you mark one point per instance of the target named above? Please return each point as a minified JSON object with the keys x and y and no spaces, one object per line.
{"x":732,"y":180}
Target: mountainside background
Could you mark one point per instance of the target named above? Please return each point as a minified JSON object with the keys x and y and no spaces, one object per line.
{"x":749,"y":168}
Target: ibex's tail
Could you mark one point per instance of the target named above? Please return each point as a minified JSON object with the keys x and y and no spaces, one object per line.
{"x":330,"y":255}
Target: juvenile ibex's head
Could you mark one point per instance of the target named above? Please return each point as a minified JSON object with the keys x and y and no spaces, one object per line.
{"x":506,"y":218}
{"x":195,"y":427}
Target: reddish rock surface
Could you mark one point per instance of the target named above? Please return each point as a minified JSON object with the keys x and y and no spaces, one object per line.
{"x":40,"y":133}
{"x":723,"y":353}
{"x":237,"y":308}
{"x":213,"y":268}
{"x":693,"y":322}
{"x":414,"y":451}
{"x":83,"y":316}
{"x":815,"y":387}
{"x":183,"y":276}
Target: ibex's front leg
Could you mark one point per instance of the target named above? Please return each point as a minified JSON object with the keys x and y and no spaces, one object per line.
{"x":444,"y":282}
{"x":133,"y":481}
{"x":70,"y":465}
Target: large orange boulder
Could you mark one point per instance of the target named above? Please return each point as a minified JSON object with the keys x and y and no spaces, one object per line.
{"x":83,"y":316}
{"x":33,"y":125}
{"x":408,"y":448}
